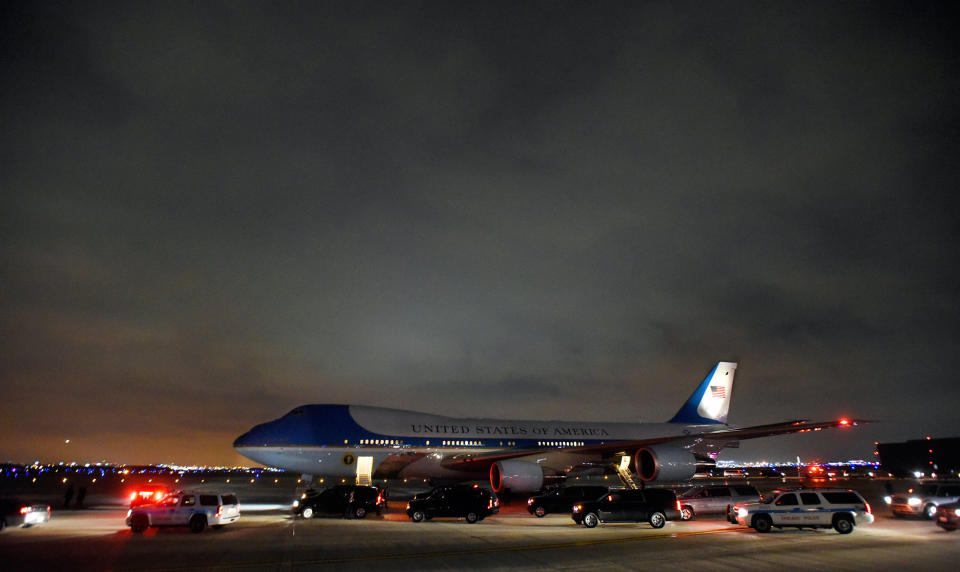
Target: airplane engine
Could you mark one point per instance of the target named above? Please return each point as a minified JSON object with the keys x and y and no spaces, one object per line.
{"x":665,"y":463}
{"x":518,"y":476}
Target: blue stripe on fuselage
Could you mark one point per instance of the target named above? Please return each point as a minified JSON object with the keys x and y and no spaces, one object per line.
{"x":308,"y":425}
{"x":321,"y":425}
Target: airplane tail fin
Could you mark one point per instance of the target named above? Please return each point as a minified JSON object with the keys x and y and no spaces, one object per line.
{"x":710,"y":402}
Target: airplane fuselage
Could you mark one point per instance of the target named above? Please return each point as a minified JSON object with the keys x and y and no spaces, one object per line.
{"x":328,"y":439}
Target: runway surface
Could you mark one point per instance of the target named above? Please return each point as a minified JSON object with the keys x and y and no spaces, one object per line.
{"x":272,"y":540}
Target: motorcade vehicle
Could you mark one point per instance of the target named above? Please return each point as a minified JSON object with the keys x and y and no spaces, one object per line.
{"x":842,"y":509}
{"x":16,"y":512}
{"x":655,"y":506}
{"x":563,"y":499}
{"x":948,"y":516}
{"x":924,"y":499}
{"x":714,"y":499}
{"x":347,"y":501}
{"x":185,"y":508}
{"x":467,"y":501}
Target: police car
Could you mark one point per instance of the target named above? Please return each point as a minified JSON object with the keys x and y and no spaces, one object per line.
{"x":841,"y":509}
{"x":184,"y":508}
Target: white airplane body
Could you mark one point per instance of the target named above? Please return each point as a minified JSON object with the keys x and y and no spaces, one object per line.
{"x":335,"y":440}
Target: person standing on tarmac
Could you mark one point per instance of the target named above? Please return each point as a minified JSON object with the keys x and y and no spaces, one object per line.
{"x":68,"y":496}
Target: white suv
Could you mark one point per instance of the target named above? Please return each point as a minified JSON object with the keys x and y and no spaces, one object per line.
{"x":924,"y":500}
{"x":841,"y":509}
{"x":196,"y":510}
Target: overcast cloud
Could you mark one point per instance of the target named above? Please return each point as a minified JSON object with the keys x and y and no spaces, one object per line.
{"x":213,"y":212}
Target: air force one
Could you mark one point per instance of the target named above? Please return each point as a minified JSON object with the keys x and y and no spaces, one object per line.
{"x":357,"y":440}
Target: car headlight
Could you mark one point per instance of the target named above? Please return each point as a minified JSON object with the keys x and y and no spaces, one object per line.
{"x":888,"y":499}
{"x":742,"y":512}
{"x":956,"y":511}
{"x":577,"y":508}
{"x":296,"y":503}
{"x":408,"y":506}
{"x":129,"y":512}
{"x":529,"y":502}
{"x":914,"y":501}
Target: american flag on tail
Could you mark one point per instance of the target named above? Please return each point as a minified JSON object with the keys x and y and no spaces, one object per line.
{"x":718,"y":391}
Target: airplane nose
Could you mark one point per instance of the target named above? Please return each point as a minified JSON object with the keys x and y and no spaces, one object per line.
{"x":272,"y":433}
{"x":242,"y":440}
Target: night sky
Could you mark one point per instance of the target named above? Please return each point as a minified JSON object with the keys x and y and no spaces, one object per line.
{"x":215,"y":211}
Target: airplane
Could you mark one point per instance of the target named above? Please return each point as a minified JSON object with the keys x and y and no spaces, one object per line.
{"x":518,"y":455}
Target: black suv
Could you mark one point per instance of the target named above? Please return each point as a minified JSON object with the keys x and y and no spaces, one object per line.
{"x":562,"y":500}
{"x":340,"y":500}
{"x":655,"y":506}
{"x":470,"y":502}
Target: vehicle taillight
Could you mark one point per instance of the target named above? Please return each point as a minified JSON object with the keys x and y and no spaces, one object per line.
{"x":219,"y":511}
{"x":380,"y":498}
{"x":25,"y":510}
{"x":869,"y":511}
{"x":678,"y":505}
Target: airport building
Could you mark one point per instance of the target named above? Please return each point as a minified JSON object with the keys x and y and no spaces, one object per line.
{"x":921,"y":457}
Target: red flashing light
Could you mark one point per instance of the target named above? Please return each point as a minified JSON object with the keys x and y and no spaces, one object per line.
{"x":133,"y":496}
{"x":25,"y":510}
{"x":844,"y":421}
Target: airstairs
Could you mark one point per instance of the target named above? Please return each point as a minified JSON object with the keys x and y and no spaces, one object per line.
{"x":623,"y":471}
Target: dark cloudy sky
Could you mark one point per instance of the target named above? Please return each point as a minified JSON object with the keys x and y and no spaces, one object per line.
{"x":215,"y":211}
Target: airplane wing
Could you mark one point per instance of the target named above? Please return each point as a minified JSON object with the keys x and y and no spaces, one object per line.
{"x":796,"y":426}
{"x":722,"y":437}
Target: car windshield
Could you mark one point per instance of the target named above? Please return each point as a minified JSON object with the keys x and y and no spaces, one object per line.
{"x":690,"y":493}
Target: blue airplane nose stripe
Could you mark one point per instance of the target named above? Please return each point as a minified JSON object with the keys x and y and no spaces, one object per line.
{"x":307,"y":425}
{"x":242,"y":440}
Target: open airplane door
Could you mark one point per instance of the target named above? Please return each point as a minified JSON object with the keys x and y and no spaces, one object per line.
{"x":365,"y":471}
